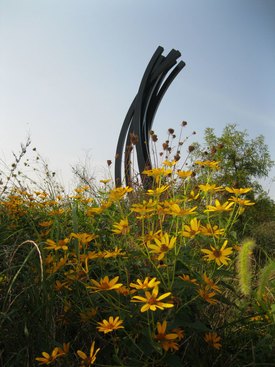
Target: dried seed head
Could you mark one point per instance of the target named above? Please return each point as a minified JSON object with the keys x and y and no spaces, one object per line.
{"x":191,"y":148}
{"x":133,"y":138}
{"x":151,"y":132}
{"x":173,"y":136}
{"x":165,"y":146}
{"x":183,"y":123}
{"x":213,"y":150}
{"x":177,"y":157}
{"x":171,"y":131}
{"x":194,"y":133}
{"x":109,"y":162}
{"x":220,"y":146}
{"x":154,"y":138}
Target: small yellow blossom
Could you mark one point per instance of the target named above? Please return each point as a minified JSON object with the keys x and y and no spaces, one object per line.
{"x":46,"y":223}
{"x":105,"y":181}
{"x":116,"y":252}
{"x":106,"y":326}
{"x":210,"y":188}
{"x":162,"y":336}
{"x":118,"y":193}
{"x":169,"y":163}
{"x":105,"y":284}
{"x":220,"y":256}
{"x":209,"y":164}
{"x":186,"y":278}
{"x":49,"y":358}
{"x":207,"y":295}
{"x":191,"y":230}
{"x":146,"y":283}
{"x":169,"y":344}
{"x":122,"y":227}
{"x":162,"y":245}
{"x":158,"y":191}
{"x":152,"y":301}
{"x":60,"y":245}
{"x":240,"y":201}
{"x":184,"y":174}
{"x":145,"y":209}
{"x":210,"y":231}
{"x":240,"y":191}
{"x":213,"y":340}
{"x":218,"y":207}
{"x":88,"y":360}
{"x":176,"y":210}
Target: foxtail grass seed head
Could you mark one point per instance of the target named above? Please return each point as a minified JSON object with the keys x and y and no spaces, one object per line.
{"x":266,"y":275}
{"x":244,"y":266}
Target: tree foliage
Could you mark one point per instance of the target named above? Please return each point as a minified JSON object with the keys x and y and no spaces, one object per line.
{"x":244,"y":160}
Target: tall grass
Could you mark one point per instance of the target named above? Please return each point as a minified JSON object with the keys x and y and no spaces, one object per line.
{"x":131,"y":277}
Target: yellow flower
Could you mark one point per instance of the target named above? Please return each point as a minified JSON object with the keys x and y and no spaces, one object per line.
{"x":207,"y":295}
{"x":122,"y":227}
{"x":225,"y":207}
{"x":146,"y":283}
{"x":84,"y":238}
{"x":96,"y":210}
{"x":169,"y":344}
{"x":213,"y":340}
{"x":88,"y":360}
{"x":162,"y":245}
{"x":212,"y":188}
{"x":169,"y":163}
{"x":210,"y":164}
{"x":179,"y":332}
{"x":161,"y":335}
{"x":60,"y":245}
{"x":145,"y":209}
{"x":49,"y":358}
{"x":117,"y":252}
{"x":192,"y":230}
{"x":118,"y":193}
{"x":152,"y":301}
{"x":210,"y":283}
{"x":214,"y":231}
{"x":106,"y":326}
{"x":158,"y":191}
{"x":46,"y":223}
{"x":105,"y":284}
{"x":157,"y":173}
{"x":186,"y":278}
{"x":240,"y":201}
{"x":218,"y":255}
{"x":184,"y":174}
{"x":64,"y":349}
{"x":175,"y":209}
{"x":240,"y":191}
{"x":105,"y":181}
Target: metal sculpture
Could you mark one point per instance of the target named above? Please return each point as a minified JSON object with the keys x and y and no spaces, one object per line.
{"x":139,"y":118}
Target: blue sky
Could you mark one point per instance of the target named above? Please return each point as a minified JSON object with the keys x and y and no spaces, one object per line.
{"x":69,"y":70}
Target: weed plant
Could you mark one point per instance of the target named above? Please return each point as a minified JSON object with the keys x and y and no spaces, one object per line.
{"x":130,"y":276}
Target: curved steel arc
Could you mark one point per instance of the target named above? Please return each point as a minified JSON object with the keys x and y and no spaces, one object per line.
{"x":140,"y":116}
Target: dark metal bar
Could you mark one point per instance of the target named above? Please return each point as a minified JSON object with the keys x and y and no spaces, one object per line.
{"x":140,"y":116}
